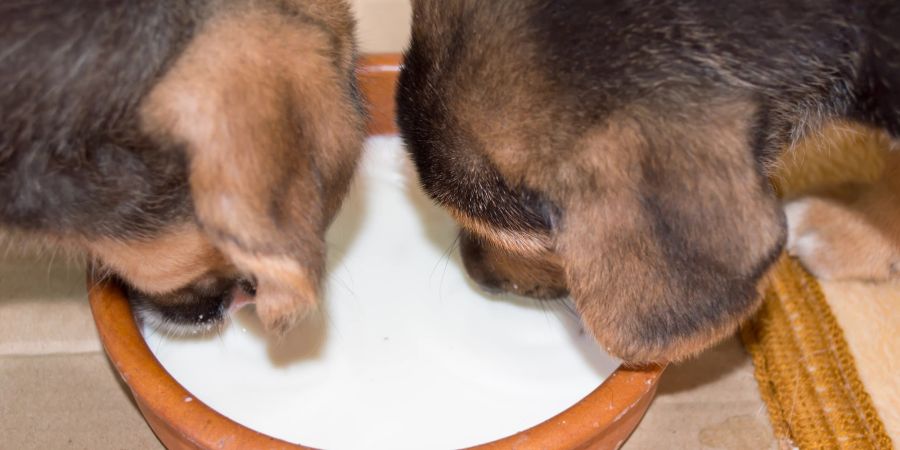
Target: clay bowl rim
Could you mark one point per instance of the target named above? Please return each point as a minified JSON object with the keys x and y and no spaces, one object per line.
{"x":160,"y":396}
{"x":615,"y":403}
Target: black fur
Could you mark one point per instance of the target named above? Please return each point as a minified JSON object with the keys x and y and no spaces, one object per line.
{"x":72,"y":158}
{"x":803,"y":60}
{"x":460,"y":179}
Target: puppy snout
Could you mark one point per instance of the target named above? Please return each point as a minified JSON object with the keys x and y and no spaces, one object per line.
{"x":497,"y":271}
{"x":486,"y":281}
{"x":196,"y":308}
{"x":493,"y":287}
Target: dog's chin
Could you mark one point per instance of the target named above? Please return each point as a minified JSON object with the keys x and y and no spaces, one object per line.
{"x":525,"y":290}
{"x":192,"y":313}
{"x":496,"y":270}
{"x":162,"y":323}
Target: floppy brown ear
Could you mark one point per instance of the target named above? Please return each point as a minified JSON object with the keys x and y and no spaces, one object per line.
{"x":264,"y":110}
{"x":665,"y":242}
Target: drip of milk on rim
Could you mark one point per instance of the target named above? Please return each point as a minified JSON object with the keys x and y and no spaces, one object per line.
{"x":404,"y":352}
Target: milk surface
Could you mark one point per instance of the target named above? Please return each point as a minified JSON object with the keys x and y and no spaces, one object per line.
{"x":405,"y":352}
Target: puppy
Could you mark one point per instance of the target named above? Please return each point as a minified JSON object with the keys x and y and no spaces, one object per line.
{"x":197,"y":150}
{"x":618,"y":151}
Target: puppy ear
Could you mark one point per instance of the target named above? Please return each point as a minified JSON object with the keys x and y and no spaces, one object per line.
{"x":265,"y":113}
{"x":666,"y":239}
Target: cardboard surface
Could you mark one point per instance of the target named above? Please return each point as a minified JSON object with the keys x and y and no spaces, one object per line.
{"x":67,"y":402}
{"x":710,"y":402}
{"x":42,"y":307}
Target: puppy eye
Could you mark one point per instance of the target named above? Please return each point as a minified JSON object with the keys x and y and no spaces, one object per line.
{"x":541,"y":213}
{"x":550,"y":213}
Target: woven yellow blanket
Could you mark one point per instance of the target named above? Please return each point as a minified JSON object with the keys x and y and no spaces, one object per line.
{"x":805,"y":372}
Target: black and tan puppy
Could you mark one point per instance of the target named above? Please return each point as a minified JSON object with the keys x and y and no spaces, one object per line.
{"x":618,"y":150}
{"x":196,"y":149}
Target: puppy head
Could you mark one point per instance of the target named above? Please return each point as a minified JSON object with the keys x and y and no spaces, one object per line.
{"x":178,"y":281}
{"x":655,"y":215}
{"x":264,"y":105}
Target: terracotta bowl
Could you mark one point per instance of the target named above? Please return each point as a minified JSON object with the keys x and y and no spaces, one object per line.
{"x":602,"y":420}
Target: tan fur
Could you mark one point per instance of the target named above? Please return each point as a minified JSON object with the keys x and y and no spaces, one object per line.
{"x":605,"y":163}
{"x":711,"y":161}
{"x":291,"y":290}
{"x":164,"y":263}
{"x":606,"y":243}
{"x":262,"y":105}
{"x":851,"y":233}
{"x":531,"y":244}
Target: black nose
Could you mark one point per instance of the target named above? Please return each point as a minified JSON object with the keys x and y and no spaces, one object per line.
{"x":490,"y":286}
{"x":473,"y":256}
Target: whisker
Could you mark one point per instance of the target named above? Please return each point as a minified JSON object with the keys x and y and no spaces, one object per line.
{"x":446,"y":258}
{"x":50,"y":262}
{"x":340,"y":281}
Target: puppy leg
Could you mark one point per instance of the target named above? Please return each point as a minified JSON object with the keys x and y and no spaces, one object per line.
{"x":850,"y":237}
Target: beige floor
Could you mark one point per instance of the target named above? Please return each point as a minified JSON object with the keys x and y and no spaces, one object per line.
{"x":382,"y":25}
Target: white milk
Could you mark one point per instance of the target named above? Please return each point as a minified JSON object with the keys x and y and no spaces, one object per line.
{"x":405,"y":352}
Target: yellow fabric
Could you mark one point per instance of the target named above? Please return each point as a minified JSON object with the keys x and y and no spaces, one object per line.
{"x":806,"y":373}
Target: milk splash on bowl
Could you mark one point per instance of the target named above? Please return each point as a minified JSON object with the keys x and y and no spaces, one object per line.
{"x":404,"y":352}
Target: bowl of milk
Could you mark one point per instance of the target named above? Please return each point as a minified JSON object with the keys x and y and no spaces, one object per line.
{"x":404,"y":351}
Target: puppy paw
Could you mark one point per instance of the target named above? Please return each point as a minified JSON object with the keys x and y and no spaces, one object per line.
{"x":837,"y":241}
